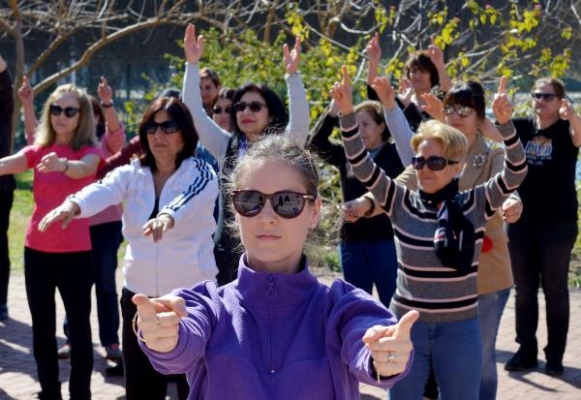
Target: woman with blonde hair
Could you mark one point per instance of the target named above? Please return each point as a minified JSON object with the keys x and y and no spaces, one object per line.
{"x":65,"y":158}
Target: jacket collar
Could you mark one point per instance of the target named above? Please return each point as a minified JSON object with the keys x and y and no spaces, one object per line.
{"x":258,"y":289}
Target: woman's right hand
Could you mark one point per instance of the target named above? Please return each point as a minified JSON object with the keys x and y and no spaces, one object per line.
{"x":26,"y":93}
{"x":385,"y":92}
{"x":354,"y":209}
{"x":433,"y":106}
{"x":193,"y":47}
{"x":342,"y":93}
{"x":65,"y":212}
{"x":158,"y":321}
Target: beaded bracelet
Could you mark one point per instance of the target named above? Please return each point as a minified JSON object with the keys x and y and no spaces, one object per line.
{"x":136,"y":330}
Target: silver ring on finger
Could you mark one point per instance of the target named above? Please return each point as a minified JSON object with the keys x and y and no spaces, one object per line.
{"x":390,"y":356}
{"x":157,"y":320}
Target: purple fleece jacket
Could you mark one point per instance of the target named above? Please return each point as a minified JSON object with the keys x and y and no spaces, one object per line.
{"x":275,"y":336}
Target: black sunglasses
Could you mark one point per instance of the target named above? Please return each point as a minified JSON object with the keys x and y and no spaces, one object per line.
{"x":462,"y":111}
{"x":254,"y":106}
{"x":286,"y":204}
{"x":70,"y":112}
{"x":218,"y":110}
{"x":545,"y":96}
{"x":166,"y":127}
{"x":434,"y":163}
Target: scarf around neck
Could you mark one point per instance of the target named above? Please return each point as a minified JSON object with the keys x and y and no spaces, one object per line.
{"x":454,"y":237}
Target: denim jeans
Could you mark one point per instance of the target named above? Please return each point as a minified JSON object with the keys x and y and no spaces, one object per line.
{"x":540,"y":257}
{"x":365,"y":263}
{"x":490,"y":309}
{"x":6,"y":199}
{"x":71,"y":274}
{"x":455,"y":351}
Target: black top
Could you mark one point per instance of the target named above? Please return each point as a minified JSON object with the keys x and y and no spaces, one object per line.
{"x":376,"y":228}
{"x":548,"y":191}
{"x":7,"y":182}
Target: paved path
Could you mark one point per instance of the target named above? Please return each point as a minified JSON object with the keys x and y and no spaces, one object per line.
{"x":18,"y":372}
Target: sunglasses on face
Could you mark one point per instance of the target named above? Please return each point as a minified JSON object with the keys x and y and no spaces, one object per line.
{"x":218,"y":110}
{"x":166,"y":127}
{"x":254,"y":106}
{"x":434,"y":163}
{"x":70,"y":112}
{"x":463,"y":111}
{"x":286,"y":204}
{"x":545,"y":96}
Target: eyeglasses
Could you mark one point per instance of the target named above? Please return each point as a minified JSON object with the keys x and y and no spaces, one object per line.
{"x":434,"y":163}
{"x":463,"y":111}
{"x":227,"y":110}
{"x":70,"y":112}
{"x":254,"y":106}
{"x":286,"y":204}
{"x":545,"y":96}
{"x":167,"y":127}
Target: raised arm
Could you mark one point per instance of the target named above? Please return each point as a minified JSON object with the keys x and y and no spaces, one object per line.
{"x":299,"y":114}
{"x":214,"y":138}
{"x":6,"y":109}
{"x":437,"y":57}
{"x":500,"y":187}
{"x":567,"y":111}
{"x":320,"y":142}
{"x":26,"y":96}
{"x":114,"y":137}
{"x":396,"y":121}
{"x":364,"y":167}
{"x":373,"y":51}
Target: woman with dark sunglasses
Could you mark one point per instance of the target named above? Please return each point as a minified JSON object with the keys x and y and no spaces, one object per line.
{"x":256,"y":111}
{"x":166,"y":181}
{"x":64,"y":157}
{"x":540,"y":243}
{"x":276,"y":331}
{"x":464,"y":109}
{"x":105,"y":227}
{"x":439,"y":233}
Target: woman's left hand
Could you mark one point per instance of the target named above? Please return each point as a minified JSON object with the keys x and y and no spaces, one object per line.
{"x":157,"y":226}
{"x":51,"y":162}
{"x":391,"y":346}
{"x":511,"y":210}
{"x":566,"y":111}
{"x":292,"y":57}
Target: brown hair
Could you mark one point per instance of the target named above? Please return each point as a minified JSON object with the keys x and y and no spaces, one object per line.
{"x":557,"y":84}
{"x":422,"y":61}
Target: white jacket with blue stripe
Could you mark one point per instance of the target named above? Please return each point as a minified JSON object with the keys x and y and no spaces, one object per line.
{"x":184,"y":257}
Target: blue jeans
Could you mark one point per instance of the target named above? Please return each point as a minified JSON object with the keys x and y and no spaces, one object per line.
{"x":365,"y":263}
{"x":455,"y":351}
{"x":490,"y":309}
{"x":540,"y":256}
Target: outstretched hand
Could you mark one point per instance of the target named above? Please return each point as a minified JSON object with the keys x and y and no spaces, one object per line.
{"x":292,"y":57}
{"x":373,"y":50}
{"x":158,"y":320}
{"x":158,"y":226}
{"x":385,"y":92}
{"x":391,"y":346}
{"x":501,"y":105}
{"x":65,"y":212}
{"x":566,"y":111}
{"x":193,"y":47}
{"x":342,"y":93}
{"x":436,"y":54}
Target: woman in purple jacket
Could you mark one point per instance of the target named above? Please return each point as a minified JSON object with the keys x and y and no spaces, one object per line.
{"x":276,"y":331}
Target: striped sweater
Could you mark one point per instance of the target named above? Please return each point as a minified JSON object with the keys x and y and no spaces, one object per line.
{"x":439,"y":293}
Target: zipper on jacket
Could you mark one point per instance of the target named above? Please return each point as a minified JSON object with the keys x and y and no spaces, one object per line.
{"x":271,"y":306}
